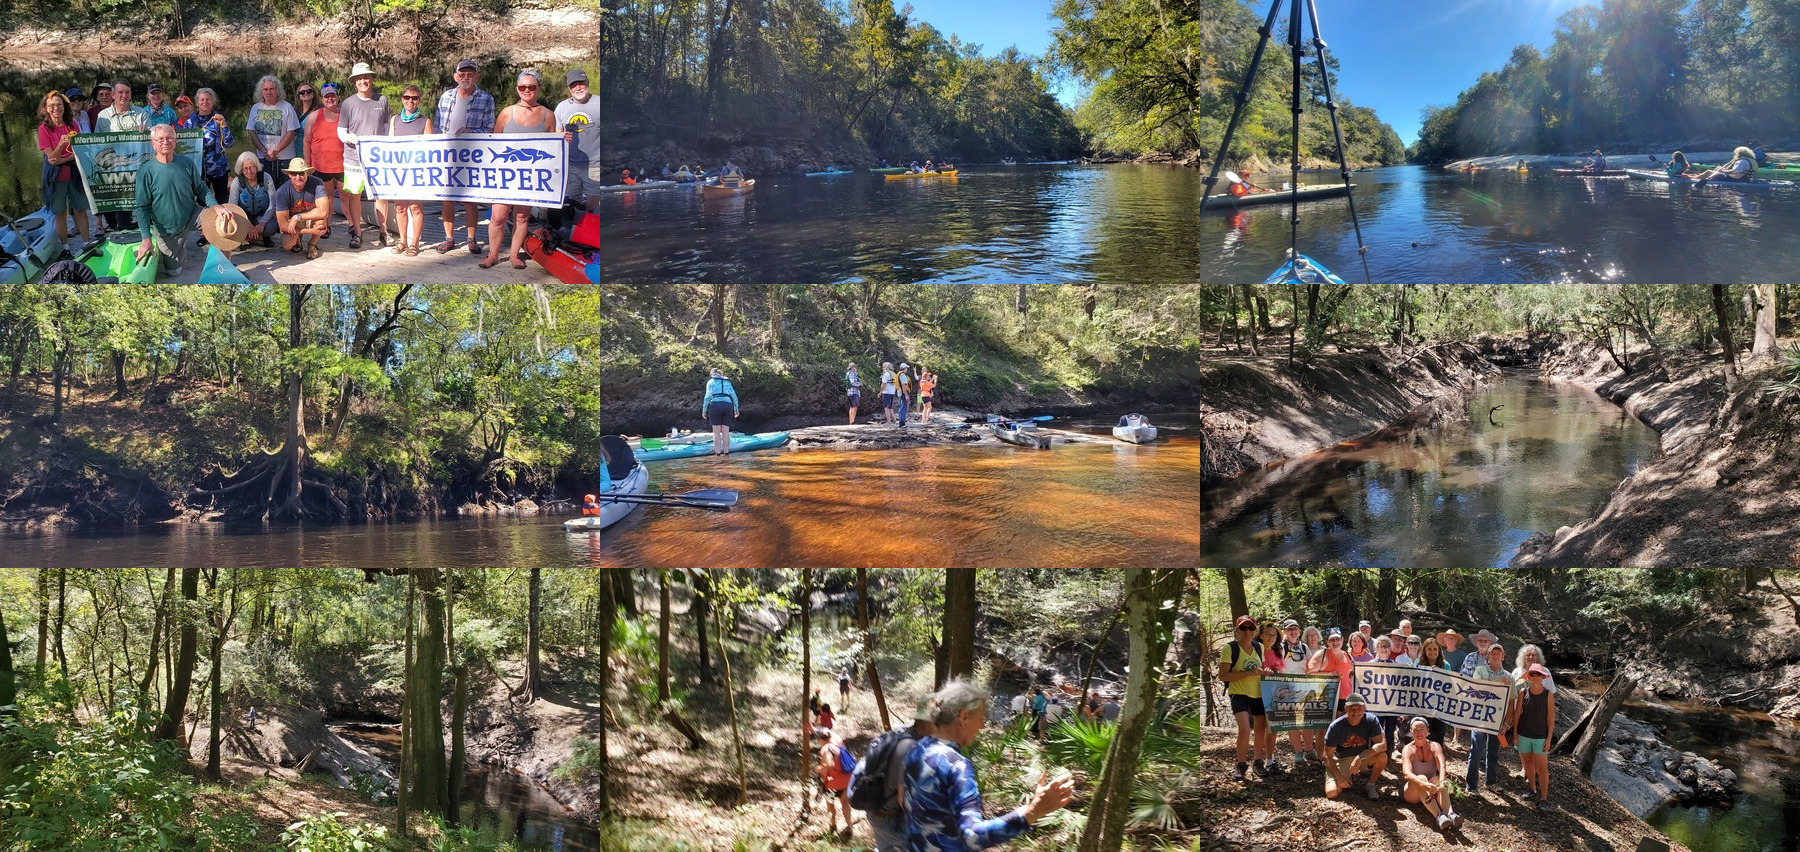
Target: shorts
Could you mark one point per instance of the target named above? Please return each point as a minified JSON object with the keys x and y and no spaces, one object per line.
{"x":327,"y":177}
{"x":1246,"y":704}
{"x":887,"y":400}
{"x":355,"y":182}
{"x":1348,"y":765}
{"x":855,"y":398}
{"x":582,"y":183}
{"x":66,"y":196}
{"x":1532,"y":745}
{"x":720,"y":413}
{"x":924,"y":399}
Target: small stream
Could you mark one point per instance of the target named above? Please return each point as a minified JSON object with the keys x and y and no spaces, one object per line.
{"x":500,"y":805}
{"x":1765,"y":754}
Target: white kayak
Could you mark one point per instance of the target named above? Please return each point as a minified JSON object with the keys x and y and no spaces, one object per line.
{"x":613,"y":511}
{"x":1134,"y":429}
{"x":1283,"y":196}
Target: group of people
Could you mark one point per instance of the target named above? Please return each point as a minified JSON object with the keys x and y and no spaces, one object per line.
{"x":1745,"y":160}
{"x":917,"y":785}
{"x":929,"y":166}
{"x":1046,"y":710}
{"x":902,"y":390}
{"x":1358,"y":741}
{"x":314,"y":148}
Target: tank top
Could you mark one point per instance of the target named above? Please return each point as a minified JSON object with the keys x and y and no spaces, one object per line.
{"x":508,"y":125}
{"x":416,"y":127}
{"x":1293,"y":660}
{"x":1341,"y":666}
{"x":1423,"y":762}
{"x":1534,"y":715}
{"x":324,"y":151}
{"x":926,"y":386}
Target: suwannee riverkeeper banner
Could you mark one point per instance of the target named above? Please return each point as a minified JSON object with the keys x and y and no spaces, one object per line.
{"x":487,"y":168}
{"x":1398,"y":690}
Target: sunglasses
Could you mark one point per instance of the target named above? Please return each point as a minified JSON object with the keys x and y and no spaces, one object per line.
{"x":1533,"y":674}
{"x":1251,"y":627}
{"x":528,"y":88}
{"x":409,"y":97}
{"x":306,"y":91}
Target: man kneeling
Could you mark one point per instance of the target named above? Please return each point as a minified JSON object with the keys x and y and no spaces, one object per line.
{"x":1357,"y":744}
{"x":302,"y":209}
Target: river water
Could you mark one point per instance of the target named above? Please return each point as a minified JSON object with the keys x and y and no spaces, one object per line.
{"x":1075,"y":507}
{"x":1466,"y":495}
{"x":1129,"y":224}
{"x":329,"y":564}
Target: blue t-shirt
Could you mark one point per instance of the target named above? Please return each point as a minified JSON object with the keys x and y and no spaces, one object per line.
{"x":1351,"y":740}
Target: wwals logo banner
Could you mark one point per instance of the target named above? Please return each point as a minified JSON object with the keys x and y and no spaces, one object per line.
{"x":1408,"y":691}
{"x":1300,"y":702}
{"x":488,"y":168}
{"x":109,"y":164}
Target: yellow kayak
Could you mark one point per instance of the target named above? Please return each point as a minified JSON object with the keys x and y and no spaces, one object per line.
{"x":710,"y":190}
{"x":949,"y":174}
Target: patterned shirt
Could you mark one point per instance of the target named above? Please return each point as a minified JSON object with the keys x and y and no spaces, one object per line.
{"x":480,"y":116}
{"x":215,"y":141}
{"x":943,"y":803}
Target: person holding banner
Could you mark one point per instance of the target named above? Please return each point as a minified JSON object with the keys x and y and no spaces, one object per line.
{"x":1333,"y":659}
{"x":1241,"y":669}
{"x":463,"y":109}
{"x":1422,"y":762}
{"x":1294,"y":655}
{"x":170,"y":194}
{"x":579,"y":117}
{"x":61,"y":185}
{"x":1534,"y":720}
{"x":526,"y":116}
{"x":1485,"y":753}
{"x":1357,"y":744}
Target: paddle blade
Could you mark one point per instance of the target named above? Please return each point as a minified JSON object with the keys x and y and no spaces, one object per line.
{"x":1233,"y":176}
{"x":1043,"y":418}
{"x":710,"y":496}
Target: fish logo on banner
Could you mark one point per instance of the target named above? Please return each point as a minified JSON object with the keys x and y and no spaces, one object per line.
{"x":521,"y":155}
{"x":1300,"y":702}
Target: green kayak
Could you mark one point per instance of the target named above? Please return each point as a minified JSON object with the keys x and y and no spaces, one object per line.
{"x":740,"y":443}
{"x":1778,"y":170}
{"x":891,"y":170}
{"x":116,"y":257}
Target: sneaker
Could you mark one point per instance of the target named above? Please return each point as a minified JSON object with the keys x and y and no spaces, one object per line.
{"x":1443,"y":822}
{"x":1456,"y":820}
{"x":1530,"y":795}
{"x":1299,"y":758}
{"x":1372,"y":790}
{"x":171,"y":271}
{"x":1275,"y":767}
{"x":1237,"y":774}
{"x":1259,"y":768}
{"x":1544,"y":805}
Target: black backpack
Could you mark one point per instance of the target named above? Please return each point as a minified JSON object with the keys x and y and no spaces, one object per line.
{"x":870,"y":788}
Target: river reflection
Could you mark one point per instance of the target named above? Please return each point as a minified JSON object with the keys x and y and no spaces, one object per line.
{"x":1077,"y":506}
{"x":1437,"y":500}
{"x":1764,"y":753}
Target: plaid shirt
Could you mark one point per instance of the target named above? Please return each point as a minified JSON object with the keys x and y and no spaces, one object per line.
{"x":480,"y":116}
{"x":943,"y":803}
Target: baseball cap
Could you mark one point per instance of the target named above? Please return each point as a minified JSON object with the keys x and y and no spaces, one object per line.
{"x":922,"y":712}
{"x":328,"y":89}
{"x":1245,"y":621}
{"x":1364,"y":623}
{"x":575,"y":76}
{"x":467,"y":65}
{"x":154,"y":87}
{"x":183,"y":99}
{"x":1356,"y":699}
{"x":1289,"y":623}
{"x":1538,"y":669}
{"x":1334,"y":632}
{"x":75,"y":94}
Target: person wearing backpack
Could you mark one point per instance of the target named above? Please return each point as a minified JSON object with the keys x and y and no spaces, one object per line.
{"x":875,"y":786}
{"x":834,"y":769}
{"x":1241,"y":667}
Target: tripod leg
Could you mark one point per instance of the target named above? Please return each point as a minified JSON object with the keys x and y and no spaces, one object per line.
{"x":1243,"y":99}
{"x":1362,"y":251}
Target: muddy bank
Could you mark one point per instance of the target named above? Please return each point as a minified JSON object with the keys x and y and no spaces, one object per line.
{"x":1720,"y":504}
{"x":1256,"y":412}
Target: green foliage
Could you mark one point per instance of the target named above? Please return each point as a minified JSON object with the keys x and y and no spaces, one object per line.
{"x":584,"y":762}
{"x":1164,"y":76}
{"x":334,"y":832}
{"x":104,"y":785}
{"x":1074,"y":742}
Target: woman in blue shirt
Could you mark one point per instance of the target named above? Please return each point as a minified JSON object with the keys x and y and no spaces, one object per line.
{"x":720,"y":405}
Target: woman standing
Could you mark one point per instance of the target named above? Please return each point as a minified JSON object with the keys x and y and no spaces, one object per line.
{"x":409,"y":215}
{"x":273,"y":126}
{"x":61,"y":183}
{"x":1333,"y":659}
{"x":720,"y":405}
{"x":1533,"y":719}
{"x":216,"y":140}
{"x":1431,"y":656}
{"x":1422,"y":762}
{"x":1274,"y":650}
{"x":324,"y":150}
{"x":927,"y":387}
{"x":306,"y":103}
{"x":1529,"y":656}
{"x":526,"y":116}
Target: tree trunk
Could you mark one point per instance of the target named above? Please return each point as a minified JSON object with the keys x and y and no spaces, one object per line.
{"x":862,"y":611}
{"x":606,"y":639}
{"x":737,"y":739}
{"x":1387,"y":595}
{"x":625,"y":592}
{"x":9,"y":700}
{"x":1087,"y":673}
{"x":459,"y":706}
{"x":175,"y":711}
{"x":959,"y":621}
{"x":425,"y":695}
{"x":222,"y":622}
{"x":702,"y":610}
{"x":1250,"y":306}
{"x":43,"y":631}
{"x":717,"y":312}
{"x":1722,"y":313}
{"x":1763,"y":350}
{"x":158,"y":627}
{"x":1592,"y":727}
{"x":62,"y":614}
{"x":1152,"y":595}
{"x":528,"y":688}
{"x":403,"y":769}
{"x":1234,"y":589}
{"x":805,"y":692}
{"x":663,"y":690}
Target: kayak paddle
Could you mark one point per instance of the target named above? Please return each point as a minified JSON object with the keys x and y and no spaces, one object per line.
{"x":711,"y":499}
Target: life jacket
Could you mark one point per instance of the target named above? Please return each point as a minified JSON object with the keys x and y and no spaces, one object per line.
{"x":1238,"y":190}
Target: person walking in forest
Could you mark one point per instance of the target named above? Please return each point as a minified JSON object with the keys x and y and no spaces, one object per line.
{"x":1422,"y":762}
{"x":1533,"y":719}
{"x":1040,"y":708}
{"x":943,"y":795}
{"x":1241,"y":667}
{"x":1357,"y":744}
{"x":887,"y":392}
{"x":853,"y":390}
{"x":1484,"y":753}
{"x":815,"y":701}
{"x":834,"y":767}
{"x":844,"y":688}
{"x":61,"y":184}
{"x":463,"y":108}
{"x":719,"y":404}
{"x":825,"y":718}
{"x":364,"y":114}
{"x":883,"y":770}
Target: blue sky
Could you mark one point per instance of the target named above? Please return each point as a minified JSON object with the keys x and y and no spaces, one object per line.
{"x":1397,"y":55}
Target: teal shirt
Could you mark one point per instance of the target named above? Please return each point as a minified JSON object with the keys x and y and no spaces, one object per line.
{"x":168,"y":196}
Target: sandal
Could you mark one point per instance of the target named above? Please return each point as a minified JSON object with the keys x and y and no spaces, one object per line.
{"x":355,"y":240}
{"x":518,"y":262}
{"x":399,"y":248}
{"x":381,"y":239}
{"x":312,"y":252}
{"x":445,"y":246}
{"x":412,"y":251}
{"x":474,"y":247}
{"x":488,"y":262}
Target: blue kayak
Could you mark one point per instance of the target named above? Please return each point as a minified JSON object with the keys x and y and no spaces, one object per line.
{"x":740,"y":443}
{"x":830,"y":173}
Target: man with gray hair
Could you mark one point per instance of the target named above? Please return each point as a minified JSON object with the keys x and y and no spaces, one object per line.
{"x":170,"y":193}
{"x":943,"y":798}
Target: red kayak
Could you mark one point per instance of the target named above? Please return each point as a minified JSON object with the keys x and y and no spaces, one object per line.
{"x":565,"y":261}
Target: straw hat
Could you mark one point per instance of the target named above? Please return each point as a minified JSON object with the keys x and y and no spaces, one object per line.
{"x":361,"y":69}
{"x":1451,"y":632}
{"x":298,"y":166}
{"x":230,"y":235}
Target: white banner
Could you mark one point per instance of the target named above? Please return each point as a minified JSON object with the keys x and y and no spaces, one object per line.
{"x":489,"y":168}
{"x":1465,"y":702}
